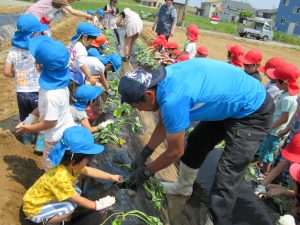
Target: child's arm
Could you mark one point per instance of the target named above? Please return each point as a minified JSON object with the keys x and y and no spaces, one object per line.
{"x":87,"y":74}
{"x":282,"y":120}
{"x":85,"y":123}
{"x":104,"y":81}
{"x":275,"y":172}
{"x":280,"y":191}
{"x":44,"y":125}
{"x":8,"y":70}
{"x":84,"y":202}
{"x":92,"y":172}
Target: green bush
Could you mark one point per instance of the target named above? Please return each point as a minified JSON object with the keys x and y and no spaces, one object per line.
{"x":286,"y":38}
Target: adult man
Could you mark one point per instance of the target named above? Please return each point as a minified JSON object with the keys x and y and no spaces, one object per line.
{"x":230,"y":105}
{"x":166,"y":20}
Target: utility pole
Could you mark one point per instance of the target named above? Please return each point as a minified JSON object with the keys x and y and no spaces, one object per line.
{"x":184,"y":12}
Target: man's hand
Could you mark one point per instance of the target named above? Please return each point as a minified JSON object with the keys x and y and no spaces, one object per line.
{"x":142,"y":158}
{"x":138,"y":177}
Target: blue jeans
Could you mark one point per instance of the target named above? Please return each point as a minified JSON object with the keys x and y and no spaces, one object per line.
{"x":27,"y":102}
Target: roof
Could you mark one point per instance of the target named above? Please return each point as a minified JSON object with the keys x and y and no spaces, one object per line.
{"x":267,"y":10}
{"x":239,"y":5}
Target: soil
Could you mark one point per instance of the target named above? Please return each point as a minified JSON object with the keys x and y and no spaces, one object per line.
{"x":19,"y":167}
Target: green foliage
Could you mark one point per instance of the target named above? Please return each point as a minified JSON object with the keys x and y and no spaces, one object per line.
{"x":245,"y":13}
{"x":283,"y":203}
{"x":155,"y":190}
{"x":125,"y":216}
{"x":286,"y":38}
{"x":144,"y":56}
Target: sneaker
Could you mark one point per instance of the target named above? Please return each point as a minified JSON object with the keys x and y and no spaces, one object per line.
{"x":39,"y":145}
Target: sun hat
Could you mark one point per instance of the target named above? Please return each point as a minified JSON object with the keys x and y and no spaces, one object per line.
{"x":288,"y":73}
{"x":192,"y":32}
{"x":292,"y":151}
{"x":91,"y":12}
{"x":253,"y":56}
{"x":160,"y":40}
{"x":171,"y":44}
{"x":100,"y":40}
{"x":100,"y":12}
{"x":236,"y":51}
{"x":176,"y":52}
{"x":202,"y":50}
{"x":273,"y":62}
{"x":295,"y":171}
{"x":86,"y":28}
{"x":53,"y":57}
{"x":183,"y":57}
{"x":116,"y":61}
{"x":27,"y":25}
{"x":76,"y":139}
{"x":133,"y":84}
{"x":84,"y":94}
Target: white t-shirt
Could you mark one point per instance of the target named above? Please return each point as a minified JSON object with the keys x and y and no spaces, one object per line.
{"x":191,"y":48}
{"x":94,"y":65}
{"x":54,"y":105}
{"x":78,"y":57}
{"x":26,"y":74}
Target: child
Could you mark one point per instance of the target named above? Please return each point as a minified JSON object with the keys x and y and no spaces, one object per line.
{"x":86,"y":33}
{"x":233,"y":54}
{"x":295,"y":174}
{"x":55,"y":195}
{"x":192,"y":35}
{"x":202,"y":52}
{"x":251,"y":61}
{"x":20,"y":64}
{"x":85,"y":95}
{"x":271,"y":87}
{"x":111,"y":12}
{"x":170,"y":47}
{"x":52,"y":58}
{"x":286,"y":80}
{"x":99,"y":13}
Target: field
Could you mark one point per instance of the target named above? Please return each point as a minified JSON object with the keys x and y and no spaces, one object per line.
{"x":19,"y":167}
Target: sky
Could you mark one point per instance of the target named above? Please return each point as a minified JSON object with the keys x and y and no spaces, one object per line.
{"x":258,"y":4}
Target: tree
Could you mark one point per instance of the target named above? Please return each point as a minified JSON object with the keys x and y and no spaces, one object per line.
{"x":245,"y":14}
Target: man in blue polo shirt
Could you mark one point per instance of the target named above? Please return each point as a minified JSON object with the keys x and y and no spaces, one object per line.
{"x":230,"y":105}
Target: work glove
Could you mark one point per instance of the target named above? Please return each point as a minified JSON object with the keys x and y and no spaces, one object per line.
{"x":104,"y":124}
{"x":260,"y":190}
{"x":138,"y":177}
{"x":142,"y":157}
{"x":286,"y":220}
{"x":105,"y":202}
{"x":110,"y":92}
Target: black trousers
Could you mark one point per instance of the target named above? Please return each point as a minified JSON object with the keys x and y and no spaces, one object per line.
{"x":242,"y":139}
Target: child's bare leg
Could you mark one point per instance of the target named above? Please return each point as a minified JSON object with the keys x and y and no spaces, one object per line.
{"x":58,"y":219}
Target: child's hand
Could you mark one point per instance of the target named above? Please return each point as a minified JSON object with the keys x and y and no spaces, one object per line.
{"x":25,"y":129}
{"x":92,"y":80}
{"x":117,"y":178}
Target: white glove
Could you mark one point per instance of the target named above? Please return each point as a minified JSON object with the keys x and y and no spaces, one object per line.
{"x":95,"y":20}
{"x":260,"y":190}
{"x":104,"y":124}
{"x":105,"y":202}
{"x":29,"y":119}
{"x":110,"y":92}
{"x":286,"y":220}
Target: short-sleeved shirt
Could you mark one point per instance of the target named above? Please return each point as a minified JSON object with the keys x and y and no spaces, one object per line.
{"x":207,"y":90}
{"x":26,"y":74}
{"x":256,"y":75}
{"x":95,"y":66}
{"x":54,"y":105}
{"x":78,"y":58}
{"x":55,"y":185}
{"x":78,"y":115}
{"x":285,"y":103}
{"x":166,"y":17}
{"x":191,"y":48}
{"x":273,"y":90}
{"x":40,"y":8}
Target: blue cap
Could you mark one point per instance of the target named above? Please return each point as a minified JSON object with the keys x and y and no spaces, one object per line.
{"x":26,"y":26}
{"x":86,"y":28}
{"x":84,"y":94}
{"x":91,"y":12}
{"x":94,"y":52}
{"x":134,"y":83}
{"x":53,"y":57}
{"x":116,"y":61}
{"x":75,"y":139}
{"x":100,"y":12}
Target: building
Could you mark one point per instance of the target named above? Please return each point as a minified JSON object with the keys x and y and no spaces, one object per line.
{"x":231,"y":10}
{"x":266,"y":13}
{"x":152,"y":3}
{"x":209,"y":8}
{"x":288,"y":17}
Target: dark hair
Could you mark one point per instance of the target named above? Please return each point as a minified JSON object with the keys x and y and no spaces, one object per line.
{"x":75,"y":158}
{"x":88,"y":37}
{"x":142,"y":98}
{"x":280,"y":81}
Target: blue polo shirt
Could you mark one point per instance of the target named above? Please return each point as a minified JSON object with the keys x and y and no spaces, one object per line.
{"x":206,"y":90}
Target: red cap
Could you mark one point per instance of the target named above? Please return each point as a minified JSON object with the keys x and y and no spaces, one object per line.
{"x":193,"y":32}
{"x":202,"y":50}
{"x":100,"y":40}
{"x":176,"y":52}
{"x":288,"y":73}
{"x":159,"y":40}
{"x":295,"y":172}
{"x":171,"y":45}
{"x":236,"y":51}
{"x":253,"y":56}
{"x":183,"y":57}
{"x":292,"y":151}
{"x":273,"y":62}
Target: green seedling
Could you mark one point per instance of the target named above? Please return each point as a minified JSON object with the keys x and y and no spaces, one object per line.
{"x":155,"y":190}
{"x":127,"y":166}
{"x":125,"y":216}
